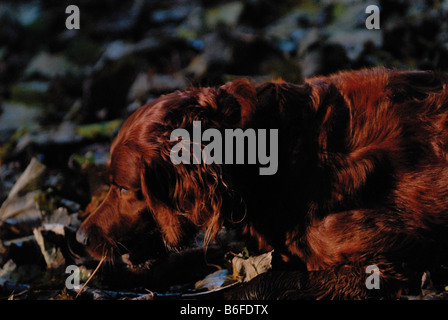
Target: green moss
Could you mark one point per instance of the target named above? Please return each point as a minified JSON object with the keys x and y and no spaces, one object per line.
{"x":104,"y":129}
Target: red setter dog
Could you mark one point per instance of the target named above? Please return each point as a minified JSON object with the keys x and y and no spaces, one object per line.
{"x":362,"y":180}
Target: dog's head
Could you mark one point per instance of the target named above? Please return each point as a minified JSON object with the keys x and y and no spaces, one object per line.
{"x":152,"y":202}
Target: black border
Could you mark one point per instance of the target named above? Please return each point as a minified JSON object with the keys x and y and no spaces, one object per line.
{"x":170,"y":309}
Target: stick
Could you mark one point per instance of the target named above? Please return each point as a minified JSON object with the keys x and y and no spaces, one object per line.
{"x":91,"y":276}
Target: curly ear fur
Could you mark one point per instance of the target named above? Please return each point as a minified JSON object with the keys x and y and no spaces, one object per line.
{"x":193,"y":194}
{"x":185,"y":194}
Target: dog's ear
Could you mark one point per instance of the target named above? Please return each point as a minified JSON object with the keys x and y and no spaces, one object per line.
{"x":184,"y":194}
{"x":158,"y":185}
{"x":237,"y":101}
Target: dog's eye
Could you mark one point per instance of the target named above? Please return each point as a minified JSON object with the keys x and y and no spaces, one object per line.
{"x":123,"y":190}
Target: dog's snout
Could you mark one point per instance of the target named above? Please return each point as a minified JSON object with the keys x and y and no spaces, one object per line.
{"x":82,"y":237}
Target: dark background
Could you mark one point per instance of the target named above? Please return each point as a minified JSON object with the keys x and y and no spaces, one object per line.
{"x":64,"y":93}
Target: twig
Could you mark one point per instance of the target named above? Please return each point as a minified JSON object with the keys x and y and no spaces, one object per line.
{"x":91,"y":276}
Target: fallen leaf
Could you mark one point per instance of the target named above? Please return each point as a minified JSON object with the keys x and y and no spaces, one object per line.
{"x":51,"y":253}
{"x":21,"y":204}
{"x":213,"y":280}
{"x":247,"y":269}
{"x":6,"y":272}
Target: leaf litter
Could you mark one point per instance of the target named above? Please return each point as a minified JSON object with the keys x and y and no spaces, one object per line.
{"x":38,"y":225}
{"x":64,"y":95}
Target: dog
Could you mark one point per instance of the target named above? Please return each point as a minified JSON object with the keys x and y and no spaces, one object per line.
{"x":362,"y":180}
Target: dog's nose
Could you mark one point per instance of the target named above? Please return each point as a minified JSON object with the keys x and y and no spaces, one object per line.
{"x":81,"y":237}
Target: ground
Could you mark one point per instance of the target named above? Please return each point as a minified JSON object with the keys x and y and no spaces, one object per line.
{"x":65,"y":92}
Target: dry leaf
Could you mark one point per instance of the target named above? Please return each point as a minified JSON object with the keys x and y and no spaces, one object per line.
{"x":213,"y":280}
{"x":20,"y":204}
{"x":251,"y":267}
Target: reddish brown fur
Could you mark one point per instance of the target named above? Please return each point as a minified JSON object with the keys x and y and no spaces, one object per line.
{"x":362,"y":180}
